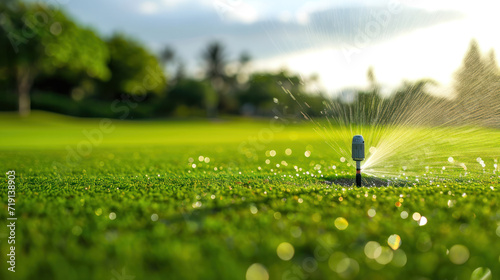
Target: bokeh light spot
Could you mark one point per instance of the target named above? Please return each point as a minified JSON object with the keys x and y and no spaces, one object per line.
{"x":341,"y":223}
{"x":404,"y":215}
{"x":372,"y":213}
{"x":154,"y":217}
{"x":285,"y":251}
{"x":385,"y":256}
{"x":459,"y":254}
{"x":372,"y":250}
{"x":257,"y":272}
{"x":481,"y":273}
{"x":399,"y":259}
{"x":394,"y":241}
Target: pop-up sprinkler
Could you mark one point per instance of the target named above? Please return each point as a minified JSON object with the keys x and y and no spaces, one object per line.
{"x":358,"y":154}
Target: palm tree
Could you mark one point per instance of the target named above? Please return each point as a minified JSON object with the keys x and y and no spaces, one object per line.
{"x":167,"y":55}
{"x":214,"y":57}
{"x":171,"y":61}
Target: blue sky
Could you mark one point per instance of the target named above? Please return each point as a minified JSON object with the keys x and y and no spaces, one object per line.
{"x":338,"y":40}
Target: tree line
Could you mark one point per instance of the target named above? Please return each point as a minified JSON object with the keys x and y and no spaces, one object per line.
{"x":49,"y":62}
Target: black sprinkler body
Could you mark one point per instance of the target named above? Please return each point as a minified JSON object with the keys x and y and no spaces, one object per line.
{"x":358,"y":154}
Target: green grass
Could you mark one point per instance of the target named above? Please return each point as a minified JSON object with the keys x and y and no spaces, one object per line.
{"x":214,"y":221}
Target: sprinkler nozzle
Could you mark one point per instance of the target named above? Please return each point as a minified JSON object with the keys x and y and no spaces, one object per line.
{"x":358,"y":154}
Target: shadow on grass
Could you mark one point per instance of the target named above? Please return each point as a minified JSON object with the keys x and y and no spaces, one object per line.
{"x":366,"y":181}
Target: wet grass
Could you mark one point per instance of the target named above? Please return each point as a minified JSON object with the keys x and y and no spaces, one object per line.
{"x":208,"y":200}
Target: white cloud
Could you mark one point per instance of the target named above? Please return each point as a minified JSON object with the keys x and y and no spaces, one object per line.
{"x":427,"y":53}
{"x":158,"y":6}
{"x":148,"y":7}
{"x":172,"y":3}
{"x":239,"y":11}
{"x":285,"y":16}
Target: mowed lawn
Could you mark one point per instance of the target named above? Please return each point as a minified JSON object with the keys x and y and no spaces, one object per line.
{"x":247,"y":199}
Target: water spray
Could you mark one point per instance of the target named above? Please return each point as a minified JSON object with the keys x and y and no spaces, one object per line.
{"x":358,"y":154}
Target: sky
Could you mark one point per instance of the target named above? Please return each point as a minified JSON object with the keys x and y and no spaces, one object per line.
{"x":337,"y":40}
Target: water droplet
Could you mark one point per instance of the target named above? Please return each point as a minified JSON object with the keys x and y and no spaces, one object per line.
{"x":386,"y":256}
{"x":372,"y":250}
{"x":112,"y":216}
{"x":285,"y":251}
{"x":459,"y":254}
{"x":341,"y":223}
{"x":422,"y":221}
{"x":346,"y":267}
{"x":197,"y":204}
{"x":253,"y":209}
{"x":372,"y":213}
{"x":394,"y":241}
{"x":416,"y":216}
{"x":154,"y":217}
{"x":399,"y":259}
{"x":257,"y":272}
{"x":481,"y":273}
{"x":98,"y":212}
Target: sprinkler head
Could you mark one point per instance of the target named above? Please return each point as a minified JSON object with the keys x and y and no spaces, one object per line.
{"x":358,"y":148}
{"x":358,"y":154}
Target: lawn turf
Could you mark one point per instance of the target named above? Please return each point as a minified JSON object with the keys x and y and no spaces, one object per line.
{"x":100,"y":199}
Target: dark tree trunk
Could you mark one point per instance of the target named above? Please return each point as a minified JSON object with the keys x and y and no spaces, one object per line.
{"x":25,"y":77}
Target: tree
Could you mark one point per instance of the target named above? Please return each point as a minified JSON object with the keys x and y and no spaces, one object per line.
{"x":412,"y":104}
{"x":188,"y":97}
{"x":168,"y":59}
{"x":491,"y":100}
{"x":136,"y":72}
{"x":263,"y":88}
{"x":37,"y":39}
{"x":167,"y":55}
{"x":214,"y":57}
{"x":470,"y":86}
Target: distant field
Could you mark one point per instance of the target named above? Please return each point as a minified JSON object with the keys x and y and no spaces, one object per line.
{"x":238,"y":198}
